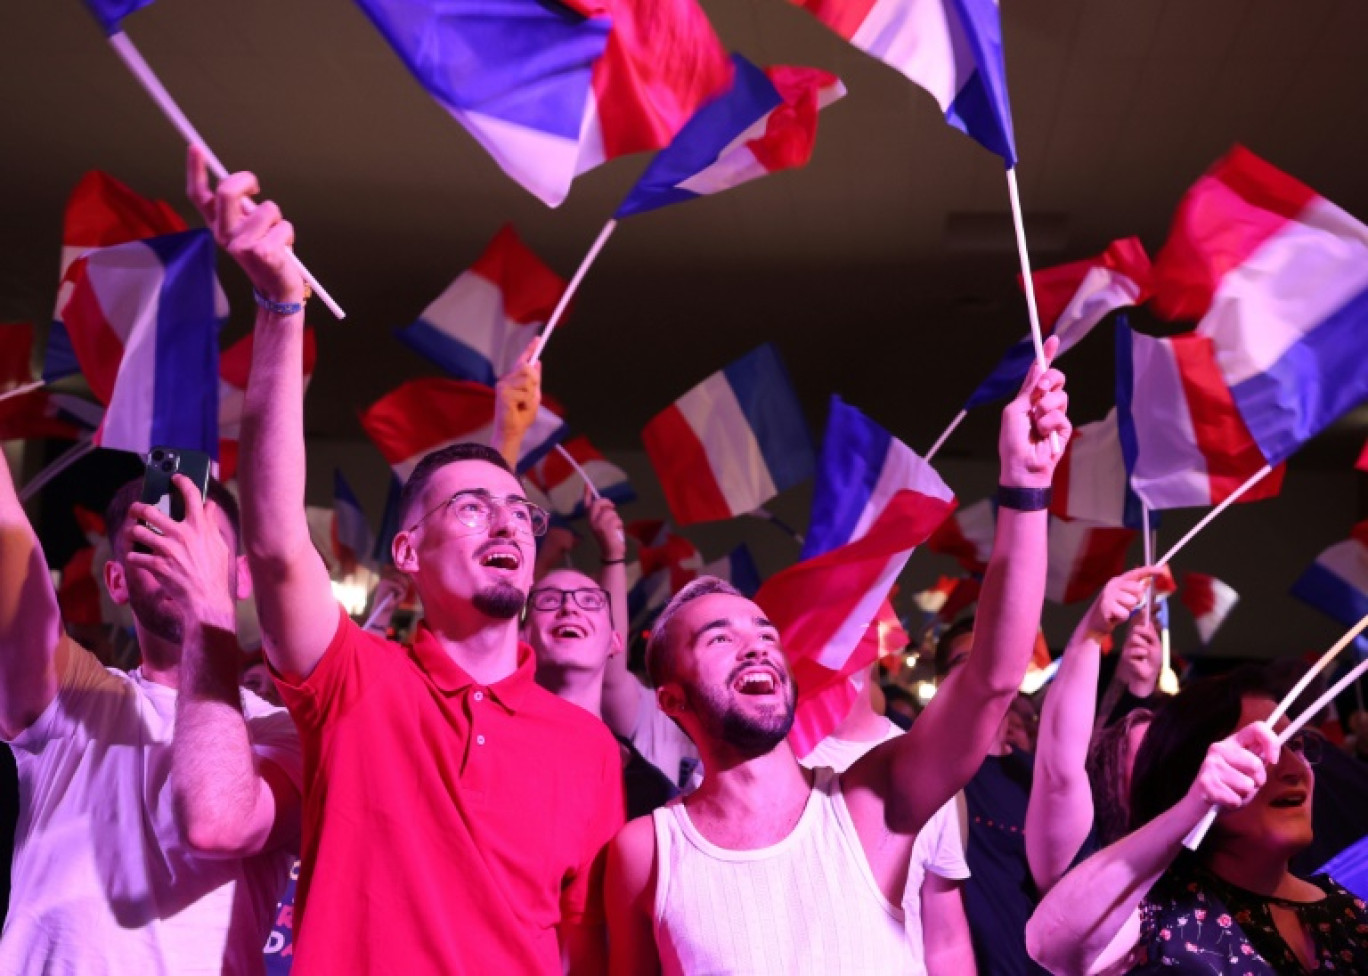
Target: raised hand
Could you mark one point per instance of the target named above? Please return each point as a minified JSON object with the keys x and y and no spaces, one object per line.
{"x":1233,"y":771}
{"x":517,"y":398}
{"x":1118,"y":600}
{"x":606,"y":524}
{"x":1039,"y":410}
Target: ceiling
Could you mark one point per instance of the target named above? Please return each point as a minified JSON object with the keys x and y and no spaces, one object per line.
{"x":884,"y":270}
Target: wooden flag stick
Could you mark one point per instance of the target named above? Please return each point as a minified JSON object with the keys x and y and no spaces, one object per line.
{"x":133,"y":59}
{"x":1230,"y":499}
{"x":21,"y":390}
{"x":571,"y":288}
{"x":1194,"y":837}
{"x":1019,"y":225}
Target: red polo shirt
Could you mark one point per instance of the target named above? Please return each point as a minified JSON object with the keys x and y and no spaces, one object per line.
{"x":448,"y":826}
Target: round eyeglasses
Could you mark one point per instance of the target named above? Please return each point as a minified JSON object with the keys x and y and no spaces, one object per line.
{"x":474,"y":508}
{"x":1308,"y":744}
{"x":549,"y":599}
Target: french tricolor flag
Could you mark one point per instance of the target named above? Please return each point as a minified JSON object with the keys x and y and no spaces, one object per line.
{"x":1185,"y":441}
{"x":967,"y":535}
{"x":476,"y":329}
{"x":564,"y":488}
{"x":1091,"y":481}
{"x":100,"y":212}
{"x":1337,"y":582}
{"x":551,"y":89}
{"x":1210,"y":601}
{"x":731,"y":443}
{"x":737,"y":568}
{"x":766,"y":122}
{"x":1072,"y":299}
{"x":875,"y":502}
{"x":40,"y":414}
{"x":1278,"y":276}
{"x":426,"y":414}
{"x":352,"y":540}
{"x":952,"y":48}
{"x":235,"y":366}
{"x":143,"y":319}
{"x":1083,"y":558}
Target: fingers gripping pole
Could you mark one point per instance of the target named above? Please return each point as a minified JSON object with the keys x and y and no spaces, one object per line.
{"x":1194,"y":838}
{"x":133,"y":59}
{"x":571,"y":288}
{"x":1019,"y":225}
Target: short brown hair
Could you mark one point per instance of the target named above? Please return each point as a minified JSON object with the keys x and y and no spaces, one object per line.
{"x":658,"y":658}
{"x":440,"y":458}
{"x":116,"y":512}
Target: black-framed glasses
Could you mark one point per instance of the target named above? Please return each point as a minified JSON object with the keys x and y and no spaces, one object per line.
{"x":549,"y":599}
{"x":1308,"y":744}
{"x":474,"y":508}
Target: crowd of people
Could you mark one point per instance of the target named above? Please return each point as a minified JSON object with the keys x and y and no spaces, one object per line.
{"x":501,"y":794}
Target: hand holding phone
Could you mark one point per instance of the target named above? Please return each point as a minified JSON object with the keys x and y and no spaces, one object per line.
{"x":157,"y":490}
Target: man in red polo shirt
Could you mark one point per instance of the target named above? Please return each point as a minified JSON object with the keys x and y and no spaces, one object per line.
{"x":455,"y":813}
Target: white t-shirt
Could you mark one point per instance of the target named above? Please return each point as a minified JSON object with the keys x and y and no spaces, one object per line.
{"x":939,"y":847}
{"x":664,"y":744}
{"x":103,"y":882}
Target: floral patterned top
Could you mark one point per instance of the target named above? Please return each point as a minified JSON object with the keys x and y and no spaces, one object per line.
{"x":1194,"y":922}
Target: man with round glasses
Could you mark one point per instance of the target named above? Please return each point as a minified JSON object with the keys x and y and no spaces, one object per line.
{"x":429,"y":844}
{"x":569,"y":625}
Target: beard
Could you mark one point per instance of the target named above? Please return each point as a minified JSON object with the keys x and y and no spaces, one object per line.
{"x":501,"y":600}
{"x":749,"y":733}
{"x":161,"y":619}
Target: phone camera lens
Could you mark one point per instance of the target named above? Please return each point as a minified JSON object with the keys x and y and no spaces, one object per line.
{"x":157,"y":456}
{"x":168,"y":466}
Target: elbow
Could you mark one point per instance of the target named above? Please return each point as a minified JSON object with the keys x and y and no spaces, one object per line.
{"x":1039,"y":946}
{"x":207,"y":833}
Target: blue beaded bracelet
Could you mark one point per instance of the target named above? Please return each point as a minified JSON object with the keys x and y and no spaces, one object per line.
{"x":279,"y":308}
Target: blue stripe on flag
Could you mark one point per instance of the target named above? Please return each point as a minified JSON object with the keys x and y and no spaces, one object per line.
{"x":110,"y":12}
{"x":981,"y":108}
{"x":59,"y":357}
{"x":853,"y":453}
{"x":451,"y":354}
{"x":766,"y":397}
{"x":389,"y":524}
{"x":1007,"y":376}
{"x":1331,"y":595}
{"x":185,"y":391}
{"x":744,"y":574}
{"x":1125,"y":395}
{"x":1314,"y":382}
{"x":698,"y":145}
{"x":526,"y":62}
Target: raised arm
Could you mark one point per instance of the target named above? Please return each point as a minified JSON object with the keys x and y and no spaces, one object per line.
{"x":517,"y":398}
{"x":226,"y":803}
{"x":922,"y":773}
{"x":30,"y":621}
{"x":1060,"y":812}
{"x":621,"y":690}
{"x":1090,"y":920}
{"x":294,"y":597}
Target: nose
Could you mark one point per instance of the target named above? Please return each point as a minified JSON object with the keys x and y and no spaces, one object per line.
{"x":501,"y":520}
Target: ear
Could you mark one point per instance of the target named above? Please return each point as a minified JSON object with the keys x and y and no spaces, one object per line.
{"x":116,"y":582}
{"x":670,"y":698}
{"x":244,"y":579}
{"x":615,"y":644}
{"x":403,"y":552}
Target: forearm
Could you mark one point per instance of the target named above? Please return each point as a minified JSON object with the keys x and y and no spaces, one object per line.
{"x":30,"y":621}
{"x":1082,"y":915}
{"x":222,"y":804}
{"x":1060,"y":812}
{"x":613,"y":579}
{"x":947,"y":944}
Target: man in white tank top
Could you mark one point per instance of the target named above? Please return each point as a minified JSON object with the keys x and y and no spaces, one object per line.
{"x":771,"y":868}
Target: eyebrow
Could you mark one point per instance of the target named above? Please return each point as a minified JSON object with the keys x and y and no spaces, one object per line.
{"x":724,"y":622}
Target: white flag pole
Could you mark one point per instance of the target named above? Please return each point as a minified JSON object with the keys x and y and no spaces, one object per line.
{"x":571,"y":288}
{"x":584,"y":475}
{"x":945,"y":435}
{"x":153,"y":86}
{"x":21,"y":390}
{"x":1149,"y":557}
{"x":64,"y":460}
{"x":1019,"y":225}
{"x":1230,"y":499}
{"x":1194,"y":837}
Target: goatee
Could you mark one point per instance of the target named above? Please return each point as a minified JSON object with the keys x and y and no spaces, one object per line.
{"x":501,"y":600}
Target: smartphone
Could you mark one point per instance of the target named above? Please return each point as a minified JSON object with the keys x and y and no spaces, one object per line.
{"x":162,"y":463}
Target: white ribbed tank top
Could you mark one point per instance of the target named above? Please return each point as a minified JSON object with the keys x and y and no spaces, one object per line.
{"x":808,"y":904}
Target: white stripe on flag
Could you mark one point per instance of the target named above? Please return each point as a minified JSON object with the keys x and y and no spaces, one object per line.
{"x":1349,"y":561}
{"x":712,"y":411}
{"x":127,"y":283}
{"x":1170,"y":469}
{"x":919,"y":39}
{"x":471,"y":310}
{"x":1101,"y":290}
{"x":1097,"y":474}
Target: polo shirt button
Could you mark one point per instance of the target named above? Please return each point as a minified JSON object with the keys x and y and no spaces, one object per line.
{"x":479,"y":740}
{"x":479,"y":696}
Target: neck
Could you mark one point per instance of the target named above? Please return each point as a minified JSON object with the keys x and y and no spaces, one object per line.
{"x":755,"y":788}
{"x":575,"y":685}
{"x":160,"y":659}
{"x":484,"y":647}
{"x":1255,"y":869}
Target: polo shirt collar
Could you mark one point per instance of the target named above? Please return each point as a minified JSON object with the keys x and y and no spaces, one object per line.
{"x":450,"y":678}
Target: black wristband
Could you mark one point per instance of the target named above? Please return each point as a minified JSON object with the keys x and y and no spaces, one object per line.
{"x":612,"y":562}
{"x":1024,"y":499}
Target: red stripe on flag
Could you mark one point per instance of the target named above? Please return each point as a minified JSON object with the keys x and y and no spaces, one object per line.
{"x":411,"y":420}
{"x":1231,"y":454}
{"x":681,"y":463}
{"x":98,"y":347}
{"x":842,"y":16}
{"x":1101,"y":558}
{"x":1362,"y":463}
{"x":530,"y":289}
{"x":1197,"y":594}
{"x":102,"y":211}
